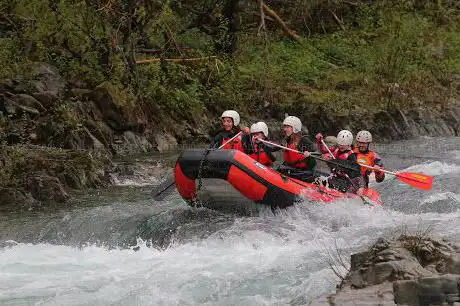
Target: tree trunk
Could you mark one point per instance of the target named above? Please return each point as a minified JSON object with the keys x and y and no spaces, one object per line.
{"x":230,"y":13}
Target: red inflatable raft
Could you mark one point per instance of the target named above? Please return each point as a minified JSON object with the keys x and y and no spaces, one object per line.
{"x":256,"y":182}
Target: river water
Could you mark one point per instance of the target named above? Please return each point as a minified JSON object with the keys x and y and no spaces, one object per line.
{"x":119,"y":247}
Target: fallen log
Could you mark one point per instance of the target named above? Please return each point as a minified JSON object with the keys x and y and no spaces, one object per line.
{"x":175,"y":60}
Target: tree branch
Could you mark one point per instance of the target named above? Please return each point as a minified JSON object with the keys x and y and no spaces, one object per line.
{"x":175,"y":60}
{"x":288,"y":32}
{"x":337,"y":19}
{"x":262,"y":18}
{"x":158,"y":51}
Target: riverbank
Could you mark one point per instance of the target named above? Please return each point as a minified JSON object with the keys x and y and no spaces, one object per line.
{"x":56,"y":138}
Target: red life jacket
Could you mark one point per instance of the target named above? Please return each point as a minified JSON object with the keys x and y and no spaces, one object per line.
{"x":235,"y":144}
{"x":261,"y":156}
{"x":294,"y":159}
{"x":342,"y":155}
{"x":367,"y":159}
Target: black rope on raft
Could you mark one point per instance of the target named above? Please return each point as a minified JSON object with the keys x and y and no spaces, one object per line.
{"x":196,"y":201}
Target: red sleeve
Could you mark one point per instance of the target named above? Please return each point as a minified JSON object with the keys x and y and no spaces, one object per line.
{"x":297,"y":156}
{"x":239,"y":145}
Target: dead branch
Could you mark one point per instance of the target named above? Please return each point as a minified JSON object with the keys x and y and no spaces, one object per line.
{"x":271,"y":13}
{"x":158,"y":51}
{"x":351,"y":3}
{"x":337,"y":19}
{"x":340,"y":256}
{"x":262,"y":18}
{"x":172,"y":39}
{"x":108,"y":7}
{"x":175,"y":60}
{"x":266,"y":17}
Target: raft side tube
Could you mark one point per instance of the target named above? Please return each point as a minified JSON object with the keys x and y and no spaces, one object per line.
{"x":185,"y":185}
{"x":216,"y":163}
{"x":255,"y":181}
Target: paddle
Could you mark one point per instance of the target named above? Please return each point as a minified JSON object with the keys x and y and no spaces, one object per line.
{"x":338,"y":162}
{"x":159,"y":192}
{"x":417,"y":180}
{"x":370,"y":193}
{"x":373,"y":195}
{"x":414,"y":179}
{"x":325,"y":145}
{"x":333,"y":157}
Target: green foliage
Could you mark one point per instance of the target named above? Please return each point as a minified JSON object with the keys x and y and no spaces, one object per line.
{"x":166,"y":21}
{"x":228,"y":88}
{"x":361,"y":47}
{"x":17,"y":161}
{"x":63,"y":125}
{"x":123,"y":96}
{"x":69,"y":35}
{"x":10,"y":59}
{"x":175,"y":88}
{"x":12,"y":165}
{"x":403,"y":45}
{"x":451,"y":48}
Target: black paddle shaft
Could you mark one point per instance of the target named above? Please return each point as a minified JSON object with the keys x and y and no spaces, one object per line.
{"x":346,"y":164}
{"x":159,"y":191}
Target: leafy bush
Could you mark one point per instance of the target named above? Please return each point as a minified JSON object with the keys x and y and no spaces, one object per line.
{"x":10,"y":59}
{"x":349,"y":53}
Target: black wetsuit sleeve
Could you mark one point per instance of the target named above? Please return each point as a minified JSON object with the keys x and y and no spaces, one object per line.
{"x":354,"y":169}
{"x":215,"y":143}
{"x":271,"y":156}
{"x":306,"y":144}
{"x":269,"y":150}
{"x":378,"y":162}
{"x":273,"y":148}
{"x":247,"y":144}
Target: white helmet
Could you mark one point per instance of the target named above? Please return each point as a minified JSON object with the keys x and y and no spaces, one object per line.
{"x":345,"y":138}
{"x":331,"y":140}
{"x":259,"y":127}
{"x":294,"y":122}
{"x":364,"y":136}
{"x":232,"y":114}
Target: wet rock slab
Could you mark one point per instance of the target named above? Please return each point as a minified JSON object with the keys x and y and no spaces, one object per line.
{"x":410,"y":270}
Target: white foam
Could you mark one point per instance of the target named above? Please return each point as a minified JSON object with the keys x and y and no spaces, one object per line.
{"x":135,"y":181}
{"x":257,"y":261}
{"x":455,"y":154}
{"x":140,"y":174}
{"x":442,"y":197}
{"x":434,"y":168}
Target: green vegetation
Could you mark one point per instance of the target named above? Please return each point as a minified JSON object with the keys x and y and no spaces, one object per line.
{"x":74,"y":169}
{"x":349,"y":53}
